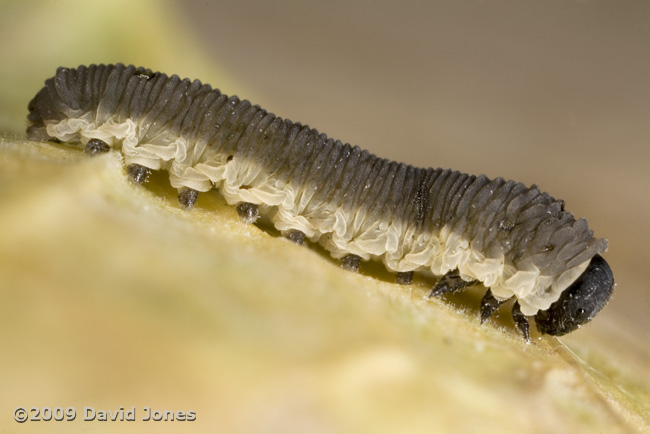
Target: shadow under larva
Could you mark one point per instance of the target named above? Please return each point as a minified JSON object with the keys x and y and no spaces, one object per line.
{"x":517,"y":241}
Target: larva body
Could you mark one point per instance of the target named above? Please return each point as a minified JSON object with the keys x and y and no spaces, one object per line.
{"x":516,"y":240}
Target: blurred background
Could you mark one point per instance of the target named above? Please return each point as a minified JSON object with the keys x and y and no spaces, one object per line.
{"x":555,"y":93}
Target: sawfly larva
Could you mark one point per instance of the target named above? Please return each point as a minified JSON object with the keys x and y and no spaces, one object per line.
{"x":516,"y":240}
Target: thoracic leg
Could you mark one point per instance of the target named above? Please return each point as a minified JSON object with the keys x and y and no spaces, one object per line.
{"x":521,"y":321}
{"x":450,"y":282}
{"x":489,"y":305}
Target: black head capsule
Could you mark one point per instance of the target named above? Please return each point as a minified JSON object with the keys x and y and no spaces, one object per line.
{"x":580,"y":302}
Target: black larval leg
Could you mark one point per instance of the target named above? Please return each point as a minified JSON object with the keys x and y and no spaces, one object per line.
{"x":405,"y":278}
{"x":351,"y":262}
{"x":296,"y":236}
{"x":521,"y":321}
{"x":450,"y":282}
{"x":248,"y":212}
{"x":187,"y":197}
{"x":489,"y":305}
{"x":96,"y":147}
{"x":138,"y":173}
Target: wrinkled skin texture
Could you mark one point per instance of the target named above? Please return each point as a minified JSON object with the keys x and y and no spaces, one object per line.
{"x":356,"y":205}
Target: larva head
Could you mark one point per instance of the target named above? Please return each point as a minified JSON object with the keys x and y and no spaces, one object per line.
{"x":580,"y":302}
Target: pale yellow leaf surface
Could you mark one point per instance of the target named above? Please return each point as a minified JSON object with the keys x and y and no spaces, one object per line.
{"x":114,"y":296}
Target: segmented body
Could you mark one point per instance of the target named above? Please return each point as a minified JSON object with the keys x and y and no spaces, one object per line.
{"x":514,"y":239}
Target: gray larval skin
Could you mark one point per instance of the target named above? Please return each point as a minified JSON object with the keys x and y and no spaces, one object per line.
{"x":516,"y":240}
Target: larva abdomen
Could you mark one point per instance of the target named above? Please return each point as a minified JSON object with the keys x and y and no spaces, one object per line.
{"x":514,"y":239}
